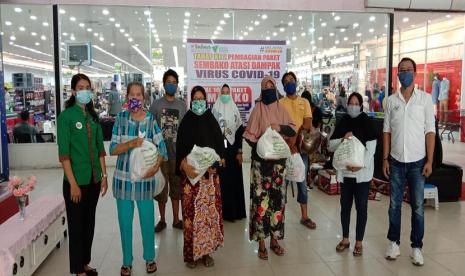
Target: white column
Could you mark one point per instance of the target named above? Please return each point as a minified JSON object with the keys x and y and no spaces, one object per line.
{"x":462,"y":91}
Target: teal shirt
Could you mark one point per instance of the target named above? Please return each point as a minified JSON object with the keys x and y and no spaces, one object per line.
{"x":80,"y":140}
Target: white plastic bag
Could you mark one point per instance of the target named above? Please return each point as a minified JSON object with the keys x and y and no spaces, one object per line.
{"x":160,"y":183}
{"x":350,"y":152}
{"x":142,"y":159}
{"x":271,"y":146}
{"x":295,"y":168}
{"x":201,"y":159}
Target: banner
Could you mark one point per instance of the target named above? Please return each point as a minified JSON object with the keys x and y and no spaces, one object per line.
{"x":242,"y":64}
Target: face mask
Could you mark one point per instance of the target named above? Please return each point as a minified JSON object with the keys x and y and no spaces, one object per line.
{"x":84,"y":96}
{"x":171,"y":89}
{"x":353,"y":110}
{"x":199,"y":107}
{"x":290,"y":88}
{"x":134,"y":105}
{"x":225,"y":98}
{"x":405,"y":78}
{"x":269,"y":96}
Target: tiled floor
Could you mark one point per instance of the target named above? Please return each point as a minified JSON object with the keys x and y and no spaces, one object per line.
{"x":308,"y":252}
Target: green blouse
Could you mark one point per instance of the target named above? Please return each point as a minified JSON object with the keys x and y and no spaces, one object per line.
{"x":80,"y":140}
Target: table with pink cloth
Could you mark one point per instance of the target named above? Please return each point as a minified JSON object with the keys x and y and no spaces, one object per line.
{"x":16,"y":235}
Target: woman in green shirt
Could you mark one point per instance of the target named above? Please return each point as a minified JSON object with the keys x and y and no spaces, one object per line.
{"x":82,"y":155}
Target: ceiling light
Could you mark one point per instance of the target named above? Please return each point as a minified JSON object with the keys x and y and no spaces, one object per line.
{"x":241,"y":38}
{"x":359,"y":34}
{"x":33,"y":33}
{"x":147,"y":12}
{"x":130,"y":39}
{"x":386,"y":26}
{"x":331,"y":34}
{"x":346,"y":38}
{"x":117,"y":25}
{"x":267,"y":38}
{"x":320,"y":38}
{"x":126,"y":35}
{"x":150,"y":20}
{"x":275,"y":33}
{"x":226,"y":15}
{"x":290,"y":23}
{"x":37,"y":43}
{"x":186,"y":21}
{"x":264,"y":16}
{"x":18,"y":9}
{"x":246,"y":33}
{"x":105,"y":12}
{"x":222,"y":22}
{"x":121,"y":30}
{"x":219,"y":28}
{"x":312,"y":30}
{"x":81,"y":25}
{"x":65,"y":34}
{"x":337,"y":18}
{"x":250,"y":28}
{"x":405,"y":19}
{"x":152,"y":25}
{"x":282,"y":29}
{"x":256,"y":23}
{"x":372,"y":18}
{"x":186,"y":27}
{"x":89,"y":30}
{"x":371,"y":30}
{"x":342,"y":30}
{"x":303,"y":34}
{"x":62,"y":11}
{"x":157,"y":40}
{"x":33,"y":17}
{"x":95,"y":34}
{"x":288,"y":42}
{"x":22,"y":29}
{"x":312,"y":42}
{"x":72,"y":18}
{"x":43,"y":37}
{"x":73,"y":38}
{"x":300,"y":17}
{"x":294,"y":38}
{"x":448,"y":16}
{"x":184,"y":45}
{"x":112,"y":19}
{"x":112,"y":44}
{"x":117,"y":58}
{"x":323,"y":24}
{"x":355,"y":25}
{"x":8,"y":23}
{"x":13,"y":37}
{"x":11,"y":43}
{"x":160,"y":45}
{"x":101,"y":38}
{"x":45,"y":24}
{"x":216,"y":32}
{"x":187,"y":14}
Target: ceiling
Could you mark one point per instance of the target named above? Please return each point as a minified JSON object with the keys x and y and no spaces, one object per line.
{"x":127,"y":35}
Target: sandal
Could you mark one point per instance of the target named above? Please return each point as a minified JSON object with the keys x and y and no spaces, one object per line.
{"x":358,"y":251}
{"x":151,"y":267}
{"x":178,"y":225}
{"x":91,"y":271}
{"x":208,"y":261}
{"x":342,"y":246}
{"x":263,"y":254}
{"x":277,"y":249}
{"x":191,"y":265}
{"x":310,"y":224}
{"x":161,"y":225}
{"x":126,"y":270}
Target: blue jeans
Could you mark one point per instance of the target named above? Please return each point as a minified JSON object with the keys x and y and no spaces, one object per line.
{"x":410,"y":173}
{"x":302,"y":194}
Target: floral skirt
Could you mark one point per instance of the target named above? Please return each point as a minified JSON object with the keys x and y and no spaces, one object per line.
{"x":203,"y":219}
{"x":267,"y":200}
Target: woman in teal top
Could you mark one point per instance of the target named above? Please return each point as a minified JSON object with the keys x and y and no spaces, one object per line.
{"x":82,"y":155}
{"x":125,"y":137}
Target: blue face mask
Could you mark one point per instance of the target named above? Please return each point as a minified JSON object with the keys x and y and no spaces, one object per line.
{"x":353,"y":111}
{"x":405,"y":78}
{"x":290,"y":88}
{"x":84,"y":96}
{"x":269,"y":96}
{"x":171,"y":89}
{"x":199,"y":107}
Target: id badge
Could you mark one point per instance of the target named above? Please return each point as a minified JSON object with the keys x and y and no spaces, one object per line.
{"x":225,"y":143}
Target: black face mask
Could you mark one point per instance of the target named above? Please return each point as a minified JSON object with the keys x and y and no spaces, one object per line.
{"x":269,"y":96}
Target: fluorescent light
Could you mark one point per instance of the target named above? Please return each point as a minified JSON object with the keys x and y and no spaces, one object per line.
{"x":157,"y":40}
{"x":33,"y":33}
{"x":89,"y":30}
{"x":222,"y":22}
{"x":219,"y":28}
{"x":8,"y":23}
{"x":62,"y":11}
{"x":337,"y":18}
{"x":267,"y":38}
{"x":18,"y":9}
{"x":160,"y":45}
{"x":300,"y":17}
{"x":187,"y":14}
{"x":72,"y":18}
{"x":372,"y":18}
{"x":282,"y":29}
{"x":290,"y":23}
{"x":101,"y":38}
{"x":37,"y":43}
{"x":331,"y":34}
{"x":371,"y":30}
{"x":112,"y":19}
{"x":150,"y":19}
{"x":359,"y":34}
{"x":303,"y":34}
{"x":117,"y":25}
{"x":250,"y":28}
{"x":45,"y":24}
{"x":264,"y":16}
{"x":226,"y":15}
{"x":186,"y":27}
{"x":142,"y":54}
{"x":312,"y":42}
{"x":112,"y":44}
{"x":104,"y":64}
{"x":130,"y":39}
{"x":246,"y":33}
{"x":117,"y":58}
{"x":175,"y":52}
{"x":72,"y":38}
{"x":105,"y":12}
{"x":275,"y":33}
{"x":121,"y":30}
{"x":65,"y":34}
{"x":355,"y":25}
{"x":126,"y":35}
{"x":147,"y":12}
{"x":346,"y":38}
{"x":342,"y":30}
{"x":215,"y":32}
{"x":43,"y":37}
{"x":22,"y":29}
{"x":13,"y":38}
{"x":320,"y":38}
{"x":294,"y":38}
{"x":96,"y":34}
{"x":33,"y":17}
{"x":405,"y":19}
{"x":386,"y":26}
{"x":323,"y":24}
{"x":184,"y":45}
{"x":256,"y":23}
{"x":81,"y":25}
{"x":32,"y":50}
{"x":241,"y":38}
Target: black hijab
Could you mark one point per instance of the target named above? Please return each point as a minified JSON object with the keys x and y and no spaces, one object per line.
{"x":203,"y":131}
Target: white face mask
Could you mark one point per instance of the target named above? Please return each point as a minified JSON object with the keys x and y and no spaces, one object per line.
{"x":353,"y":110}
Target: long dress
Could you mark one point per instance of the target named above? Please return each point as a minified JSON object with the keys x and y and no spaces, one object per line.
{"x":201,"y":208}
{"x":232,"y":184}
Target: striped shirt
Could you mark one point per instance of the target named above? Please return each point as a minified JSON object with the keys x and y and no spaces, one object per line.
{"x":124,"y":130}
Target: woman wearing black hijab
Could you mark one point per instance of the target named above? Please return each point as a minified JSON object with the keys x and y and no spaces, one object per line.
{"x":355,"y":181}
{"x":201,"y":202}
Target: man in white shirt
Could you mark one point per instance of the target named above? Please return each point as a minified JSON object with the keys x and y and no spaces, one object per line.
{"x":409,"y":136}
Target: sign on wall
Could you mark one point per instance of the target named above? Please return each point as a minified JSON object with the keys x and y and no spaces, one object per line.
{"x":242,"y":64}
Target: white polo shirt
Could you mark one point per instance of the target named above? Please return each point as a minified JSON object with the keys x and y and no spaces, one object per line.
{"x":408,"y":124}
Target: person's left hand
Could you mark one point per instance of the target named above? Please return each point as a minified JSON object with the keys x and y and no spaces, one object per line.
{"x":104,"y":186}
{"x":239,"y":158}
{"x":428,"y":169}
{"x":152,"y":171}
{"x":353,"y":169}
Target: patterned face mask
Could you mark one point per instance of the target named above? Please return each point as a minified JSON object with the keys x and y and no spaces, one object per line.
{"x":199,"y":107}
{"x":134,"y":105}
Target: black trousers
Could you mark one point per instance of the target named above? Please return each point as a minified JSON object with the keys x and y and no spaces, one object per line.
{"x":351,"y":190}
{"x":81,"y":224}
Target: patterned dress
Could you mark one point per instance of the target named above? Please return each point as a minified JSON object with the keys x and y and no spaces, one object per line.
{"x":203,"y":220}
{"x":267,"y":200}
